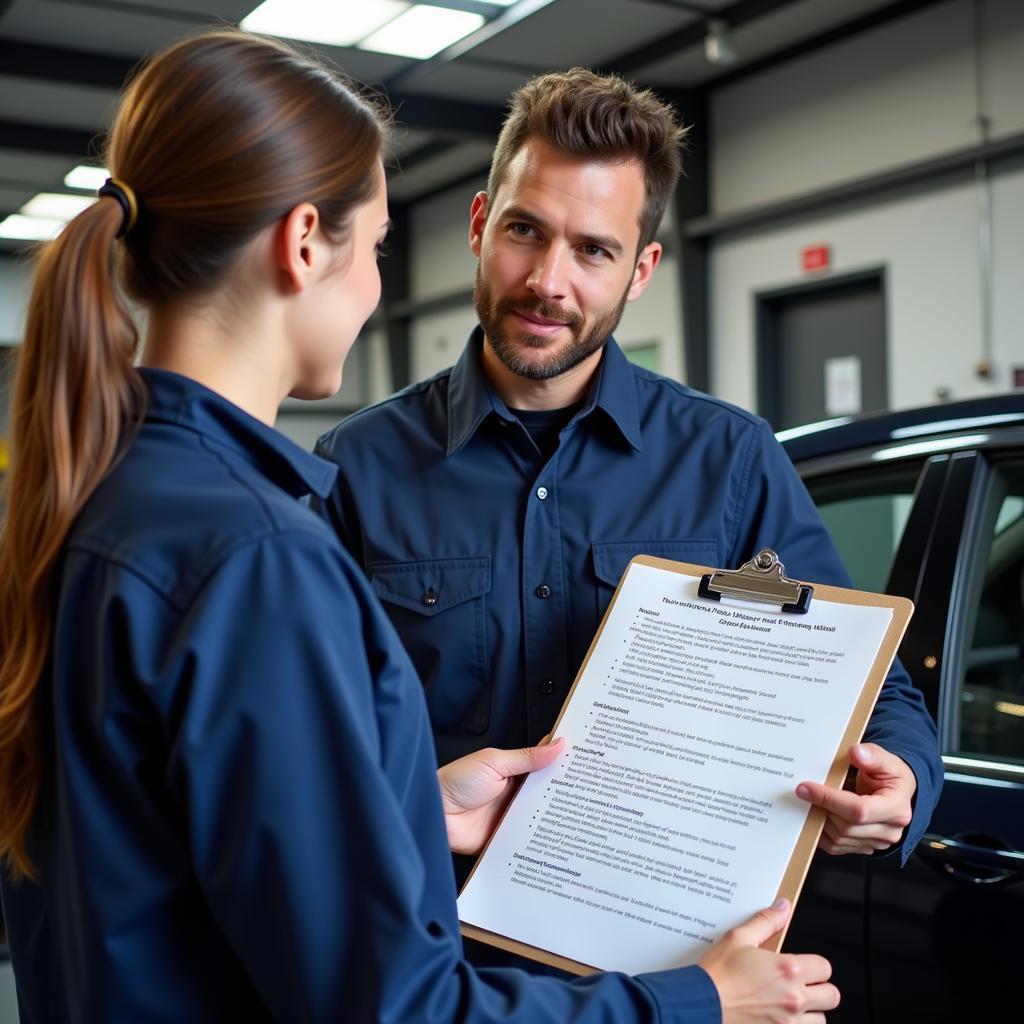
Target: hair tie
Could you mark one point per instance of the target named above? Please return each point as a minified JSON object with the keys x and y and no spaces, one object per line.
{"x":119,"y":190}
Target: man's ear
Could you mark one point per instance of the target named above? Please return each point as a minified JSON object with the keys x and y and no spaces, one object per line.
{"x":477,"y":220}
{"x":294,"y":250}
{"x":650,"y":257}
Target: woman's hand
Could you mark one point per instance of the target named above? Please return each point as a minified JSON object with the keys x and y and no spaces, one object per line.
{"x":476,"y":789}
{"x":756,"y":986}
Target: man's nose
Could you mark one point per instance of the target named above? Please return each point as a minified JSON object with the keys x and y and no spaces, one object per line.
{"x":548,"y":279}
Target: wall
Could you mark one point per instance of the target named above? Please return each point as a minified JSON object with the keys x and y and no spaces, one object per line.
{"x":893,"y":95}
{"x":15,"y":275}
{"x":903,"y":92}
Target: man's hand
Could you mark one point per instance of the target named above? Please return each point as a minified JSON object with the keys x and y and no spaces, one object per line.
{"x":756,"y":986}
{"x":874,"y":815}
{"x":476,"y":789}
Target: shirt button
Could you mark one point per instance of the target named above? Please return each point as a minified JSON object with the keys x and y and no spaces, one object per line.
{"x":543,"y":591}
{"x":547,"y":687}
{"x":430,"y":597}
{"x":542,"y":493}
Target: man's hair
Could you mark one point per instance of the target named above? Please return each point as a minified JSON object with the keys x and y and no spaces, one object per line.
{"x":599,"y":117}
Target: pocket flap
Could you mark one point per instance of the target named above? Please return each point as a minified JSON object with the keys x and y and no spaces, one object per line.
{"x":611,"y":559}
{"x":431,"y":587}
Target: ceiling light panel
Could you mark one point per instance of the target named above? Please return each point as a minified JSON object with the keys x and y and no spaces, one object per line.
{"x":56,"y":205}
{"x":85,"y":177}
{"x":29,"y":229}
{"x":423,"y":31}
{"x":317,"y":21}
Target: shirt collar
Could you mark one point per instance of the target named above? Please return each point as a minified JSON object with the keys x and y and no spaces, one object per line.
{"x":176,"y":399}
{"x":471,"y":398}
{"x":615,"y":393}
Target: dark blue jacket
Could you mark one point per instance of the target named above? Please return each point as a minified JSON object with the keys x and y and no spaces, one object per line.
{"x":240,"y":818}
{"x":496,"y":564}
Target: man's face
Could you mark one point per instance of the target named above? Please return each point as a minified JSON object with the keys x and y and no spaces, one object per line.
{"x":557,"y":249}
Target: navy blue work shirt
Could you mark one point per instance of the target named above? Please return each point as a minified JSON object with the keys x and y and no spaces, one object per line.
{"x":240,"y":818}
{"x":496,"y":563}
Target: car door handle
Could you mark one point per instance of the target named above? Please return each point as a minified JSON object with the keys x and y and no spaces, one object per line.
{"x":970,"y":861}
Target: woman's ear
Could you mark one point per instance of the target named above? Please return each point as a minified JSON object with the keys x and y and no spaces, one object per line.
{"x":295,"y":248}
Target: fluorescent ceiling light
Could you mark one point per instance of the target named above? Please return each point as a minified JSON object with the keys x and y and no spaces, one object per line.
{"x":30,"y":229}
{"x":85,"y":177}
{"x":423,"y":31}
{"x":56,"y":206}
{"x":322,"y":21}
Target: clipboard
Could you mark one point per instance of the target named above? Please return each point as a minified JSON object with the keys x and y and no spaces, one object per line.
{"x":761,"y":580}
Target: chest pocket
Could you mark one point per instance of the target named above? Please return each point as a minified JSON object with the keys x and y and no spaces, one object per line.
{"x":611,"y":559}
{"x":438,"y":609}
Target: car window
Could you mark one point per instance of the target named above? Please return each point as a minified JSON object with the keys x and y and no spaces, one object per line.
{"x":991,"y":719}
{"x":866,"y":511}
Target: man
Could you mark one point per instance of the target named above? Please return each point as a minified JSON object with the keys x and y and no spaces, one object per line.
{"x":495,"y":506}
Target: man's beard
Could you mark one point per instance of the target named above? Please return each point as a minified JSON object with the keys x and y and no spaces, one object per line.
{"x":583,"y":343}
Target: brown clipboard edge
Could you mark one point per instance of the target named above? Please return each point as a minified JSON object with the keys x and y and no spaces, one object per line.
{"x":800,"y":859}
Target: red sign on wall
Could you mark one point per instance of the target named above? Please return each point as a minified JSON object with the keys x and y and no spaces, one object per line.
{"x":815,"y":257}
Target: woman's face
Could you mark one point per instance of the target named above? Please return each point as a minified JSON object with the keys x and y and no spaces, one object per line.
{"x":342,"y":300}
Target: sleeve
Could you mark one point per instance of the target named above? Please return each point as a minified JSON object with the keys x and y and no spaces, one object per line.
{"x":775,"y":510}
{"x":302,"y":754}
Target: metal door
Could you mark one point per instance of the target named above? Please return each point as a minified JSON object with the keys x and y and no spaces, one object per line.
{"x":822,"y":350}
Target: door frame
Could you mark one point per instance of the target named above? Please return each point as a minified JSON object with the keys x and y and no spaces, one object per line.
{"x":766,"y":329}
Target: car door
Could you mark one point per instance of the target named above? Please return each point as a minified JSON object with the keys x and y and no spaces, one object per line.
{"x":932,"y":941}
{"x":876,"y":511}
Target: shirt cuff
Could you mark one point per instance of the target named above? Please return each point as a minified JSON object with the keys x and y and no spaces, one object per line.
{"x":684,"y":996}
{"x":918,"y":822}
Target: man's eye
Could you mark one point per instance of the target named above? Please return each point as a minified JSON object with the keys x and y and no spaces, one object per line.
{"x":595,"y":251}
{"x":522,"y":230}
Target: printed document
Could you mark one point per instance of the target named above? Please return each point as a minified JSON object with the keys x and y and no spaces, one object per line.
{"x":672,"y":816}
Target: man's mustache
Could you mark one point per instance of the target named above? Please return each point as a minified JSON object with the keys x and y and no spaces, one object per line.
{"x":543,"y":311}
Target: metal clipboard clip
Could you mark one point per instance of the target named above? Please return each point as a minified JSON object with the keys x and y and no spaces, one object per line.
{"x":760,"y":579}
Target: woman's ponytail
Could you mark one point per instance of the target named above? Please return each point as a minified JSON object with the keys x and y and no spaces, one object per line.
{"x":75,"y":390}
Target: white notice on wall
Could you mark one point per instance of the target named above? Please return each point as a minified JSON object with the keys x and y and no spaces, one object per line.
{"x":842,"y":386}
{"x":672,"y":816}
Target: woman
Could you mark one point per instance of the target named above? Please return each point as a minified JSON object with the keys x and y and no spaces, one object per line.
{"x":217,"y":789}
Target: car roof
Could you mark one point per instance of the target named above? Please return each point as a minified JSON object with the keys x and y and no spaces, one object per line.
{"x":844,"y":434}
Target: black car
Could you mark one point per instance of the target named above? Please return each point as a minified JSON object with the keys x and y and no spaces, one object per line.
{"x":929,"y":504}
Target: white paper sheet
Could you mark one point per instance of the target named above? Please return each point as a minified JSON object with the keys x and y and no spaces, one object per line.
{"x":842,"y":386}
{"x":671,"y":817}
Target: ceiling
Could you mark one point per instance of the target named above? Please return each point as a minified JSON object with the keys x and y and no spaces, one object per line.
{"x":62,"y":62}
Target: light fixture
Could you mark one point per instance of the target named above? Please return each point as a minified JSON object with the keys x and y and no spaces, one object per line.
{"x":318,"y":21}
{"x":29,"y":229}
{"x":423,"y":31}
{"x":86,"y":177}
{"x":56,"y":206}
{"x":718,"y":46}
